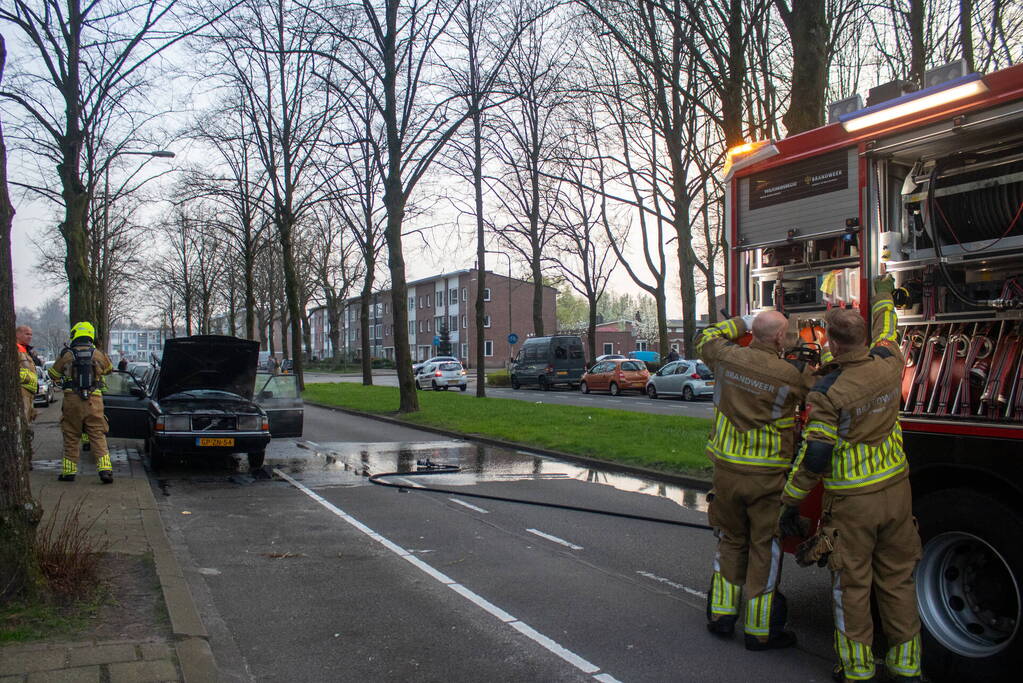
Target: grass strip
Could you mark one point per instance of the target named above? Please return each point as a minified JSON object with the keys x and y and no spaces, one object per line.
{"x":665,"y":442}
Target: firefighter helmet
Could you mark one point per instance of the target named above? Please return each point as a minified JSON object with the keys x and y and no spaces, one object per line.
{"x":83,"y":329}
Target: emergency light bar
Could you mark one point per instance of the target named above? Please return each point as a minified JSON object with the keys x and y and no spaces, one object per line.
{"x":913,"y":103}
{"x":746,"y":154}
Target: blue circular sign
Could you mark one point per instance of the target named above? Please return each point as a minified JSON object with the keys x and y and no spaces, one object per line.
{"x":513,"y":338}
{"x":436,"y":341}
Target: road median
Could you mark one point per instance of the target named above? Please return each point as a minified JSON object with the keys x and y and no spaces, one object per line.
{"x":670,"y":444}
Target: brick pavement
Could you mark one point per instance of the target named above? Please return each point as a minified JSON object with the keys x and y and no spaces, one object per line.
{"x":127,"y":522}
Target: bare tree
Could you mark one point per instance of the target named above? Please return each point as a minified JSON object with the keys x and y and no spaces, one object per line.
{"x":19,"y":513}
{"x":338,"y":268}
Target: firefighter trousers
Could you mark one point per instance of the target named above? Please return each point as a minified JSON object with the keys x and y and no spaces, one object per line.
{"x":28,"y":408}
{"x":83,"y":417}
{"x":877,"y":548}
{"x":744,"y":513}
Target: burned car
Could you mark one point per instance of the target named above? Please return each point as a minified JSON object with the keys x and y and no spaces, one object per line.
{"x":202,"y":399}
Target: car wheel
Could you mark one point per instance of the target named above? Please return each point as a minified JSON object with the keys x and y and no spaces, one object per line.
{"x":687,"y":393}
{"x":435,"y":387}
{"x":256,"y":460}
{"x":583,"y":388}
{"x":651,"y":391}
{"x":444,"y":388}
{"x":615,"y":391}
{"x":515,"y":383}
{"x":156,"y":457}
{"x":463,"y":387}
{"x":418,"y":388}
{"x":968,"y":586}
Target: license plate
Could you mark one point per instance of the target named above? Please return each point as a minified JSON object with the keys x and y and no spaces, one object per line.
{"x":562,"y":372}
{"x":710,"y":384}
{"x":208,"y":441}
{"x":454,"y":381}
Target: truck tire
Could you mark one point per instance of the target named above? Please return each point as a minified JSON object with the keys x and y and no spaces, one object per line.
{"x":969,"y":585}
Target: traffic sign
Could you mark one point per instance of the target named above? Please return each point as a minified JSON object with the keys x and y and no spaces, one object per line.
{"x":436,"y":340}
{"x":513,"y":338}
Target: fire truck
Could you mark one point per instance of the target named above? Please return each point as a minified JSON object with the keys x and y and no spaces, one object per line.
{"x":927,"y":185}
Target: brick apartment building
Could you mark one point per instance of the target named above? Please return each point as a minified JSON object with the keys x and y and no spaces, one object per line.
{"x":433,"y":302}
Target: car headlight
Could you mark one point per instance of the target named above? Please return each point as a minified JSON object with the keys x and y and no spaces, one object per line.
{"x":250,"y":423}
{"x":174,"y":423}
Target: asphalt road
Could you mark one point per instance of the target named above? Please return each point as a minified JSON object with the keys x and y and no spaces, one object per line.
{"x":633,"y":402}
{"x":318,"y":575}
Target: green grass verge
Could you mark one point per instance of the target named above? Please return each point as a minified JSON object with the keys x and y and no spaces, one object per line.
{"x":22,"y":622}
{"x":663,"y":442}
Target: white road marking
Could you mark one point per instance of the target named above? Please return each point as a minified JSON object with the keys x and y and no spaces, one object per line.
{"x":586,"y":398}
{"x":606,"y":678}
{"x":552,"y":646}
{"x":408,"y":482}
{"x":669,"y":582}
{"x":468,"y":505}
{"x":555,"y":539}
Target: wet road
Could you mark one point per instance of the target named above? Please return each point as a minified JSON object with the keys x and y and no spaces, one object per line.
{"x":318,"y":575}
{"x":560,"y":396}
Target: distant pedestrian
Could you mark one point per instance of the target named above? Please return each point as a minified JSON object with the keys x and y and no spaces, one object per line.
{"x":122,"y":365}
{"x":80,"y":369}
{"x":274,"y":366}
{"x":672,"y":355}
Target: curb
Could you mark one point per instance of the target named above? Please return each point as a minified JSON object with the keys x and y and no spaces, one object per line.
{"x":192,"y":640}
{"x":649,"y":473}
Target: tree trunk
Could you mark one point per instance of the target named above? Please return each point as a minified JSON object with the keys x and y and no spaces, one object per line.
{"x":19,"y":513}
{"x":334,"y":321}
{"x":807,"y":24}
{"x":481,"y":252}
{"x":394,"y":201}
{"x":731,"y":89}
{"x":367,"y":361}
{"x":232,"y":293}
{"x":917,"y":59}
{"x":250,"y":294}
{"x":591,"y":328}
{"x":537,"y":292}
{"x":291,"y":295}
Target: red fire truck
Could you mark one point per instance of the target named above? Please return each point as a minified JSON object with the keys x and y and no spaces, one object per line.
{"x":928,"y":186}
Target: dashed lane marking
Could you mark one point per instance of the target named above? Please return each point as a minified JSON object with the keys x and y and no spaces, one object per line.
{"x":547,"y":643}
{"x":555,"y":539}
{"x":669,"y":582}
{"x":469,"y":505}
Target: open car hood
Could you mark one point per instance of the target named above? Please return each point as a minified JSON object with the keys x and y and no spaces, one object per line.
{"x":208,"y":362}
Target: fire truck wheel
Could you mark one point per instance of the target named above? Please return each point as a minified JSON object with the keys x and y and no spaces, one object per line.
{"x":969,"y":585}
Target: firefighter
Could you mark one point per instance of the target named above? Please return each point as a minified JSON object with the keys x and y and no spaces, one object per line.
{"x":752,"y":447}
{"x":854,"y":443}
{"x":80,"y":368}
{"x":27,"y":378}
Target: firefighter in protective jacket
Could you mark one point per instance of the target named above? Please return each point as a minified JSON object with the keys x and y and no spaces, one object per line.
{"x":27,"y":378}
{"x":752,"y":446}
{"x":80,"y":369}
{"x":854,"y":443}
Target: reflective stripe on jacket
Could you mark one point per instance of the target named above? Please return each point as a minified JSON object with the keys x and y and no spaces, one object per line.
{"x":855,"y":410}
{"x":756,"y":394}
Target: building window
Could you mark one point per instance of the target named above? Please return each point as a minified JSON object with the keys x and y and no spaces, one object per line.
{"x":488,"y":348}
{"x":428,"y":328}
{"x":486,"y":293}
{"x":428,"y":304}
{"x":641,"y":346}
{"x":440,"y":298}
{"x":386,"y":308}
{"x":411,"y":326}
{"x":486,"y":321}
{"x":452,"y":323}
{"x":465,"y":350}
{"x":379,"y":331}
{"x":465,"y":294}
{"x":452,"y":296}
{"x":609,"y":348}
{"x":464,"y":321}
{"x":438,"y":323}
{"x":412,"y":303}
{"x":420,"y":325}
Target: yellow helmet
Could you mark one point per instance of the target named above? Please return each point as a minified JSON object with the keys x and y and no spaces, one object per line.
{"x":83,"y":329}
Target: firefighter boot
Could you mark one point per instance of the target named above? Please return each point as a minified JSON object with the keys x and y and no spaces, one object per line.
{"x":68,"y":470}
{"x":722,"y":606}
{"x":106,"y":470}
{"x":838,"y":675}
{"x":766,"y":615}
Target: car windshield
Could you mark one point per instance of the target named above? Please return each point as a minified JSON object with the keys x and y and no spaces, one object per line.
{"x":203,"y":393}
{"x":450,"y":366}
{"x":632,"y":365}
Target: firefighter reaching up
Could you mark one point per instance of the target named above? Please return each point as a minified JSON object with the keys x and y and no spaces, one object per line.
{"x":752,"y":446}
{"x":80,"y":369}
{"x":854,"y":443}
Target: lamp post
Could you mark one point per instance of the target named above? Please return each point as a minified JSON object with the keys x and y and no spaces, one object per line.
{"x":159,"y":153}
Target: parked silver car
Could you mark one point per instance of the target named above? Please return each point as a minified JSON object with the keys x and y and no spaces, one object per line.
{"x":686,"y":378}
{"x":46,"y":393}
{"x":441,"y":375}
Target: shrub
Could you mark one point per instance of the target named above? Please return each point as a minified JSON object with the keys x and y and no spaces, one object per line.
{"x":382,"y":363}
{"x":500,"y":378}
{"x":68,"y":556}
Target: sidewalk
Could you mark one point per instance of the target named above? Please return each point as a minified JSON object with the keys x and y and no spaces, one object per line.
{"x":128,"y":523}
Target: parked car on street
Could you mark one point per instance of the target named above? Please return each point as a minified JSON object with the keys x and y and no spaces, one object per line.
{"x":689,"y":379}
{"x":436,"y":359}
{"x":440,"y":375}
{"x":202,"y":400}
{"x":46,"y":393}
{"x":615,"y":376}
{"x":549,"y":361}
{"x":610,"y":356}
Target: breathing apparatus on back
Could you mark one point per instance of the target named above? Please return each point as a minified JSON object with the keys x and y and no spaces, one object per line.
{"x":83,"y":373}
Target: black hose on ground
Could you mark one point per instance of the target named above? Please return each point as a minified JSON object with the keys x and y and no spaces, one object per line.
{"x":431,"y":468}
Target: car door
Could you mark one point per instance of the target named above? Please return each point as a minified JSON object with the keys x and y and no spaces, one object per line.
{"x":684,"y":374}
{"x":425,"y":375}
{"x":126,"y":406}
{"x":280,"y":398}
{"x":666,"y":382}
{"x":598,"y":376}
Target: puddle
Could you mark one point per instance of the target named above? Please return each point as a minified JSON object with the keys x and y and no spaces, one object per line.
{"x":344,"y":463}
